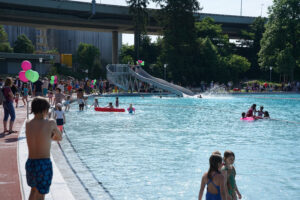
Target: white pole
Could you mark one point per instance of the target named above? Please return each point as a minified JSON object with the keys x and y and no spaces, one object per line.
{"x":241,"y":8}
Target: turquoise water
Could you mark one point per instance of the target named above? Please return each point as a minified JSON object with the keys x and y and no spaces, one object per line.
{"x":162,"y":151}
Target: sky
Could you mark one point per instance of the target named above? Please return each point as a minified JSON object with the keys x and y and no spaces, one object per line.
{"x":230,"y":7}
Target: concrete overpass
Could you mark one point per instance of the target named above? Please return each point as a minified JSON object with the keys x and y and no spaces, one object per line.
{"x":61,"y":14}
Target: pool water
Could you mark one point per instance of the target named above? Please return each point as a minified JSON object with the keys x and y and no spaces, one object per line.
{"x":162,"y":151}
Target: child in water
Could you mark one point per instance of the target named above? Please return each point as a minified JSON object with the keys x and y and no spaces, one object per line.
{"x":251,"y":112}
{"x":96,"y":103}
{"x":229,"y":173}
{"x":67,"y":103}
{"x":266,"y":115}
{"x":243,"y":115}
{"x":60,"y":117}
{"x":40,"y":131}
{"x":110,"y":105}
{"x":214,"y":180}
{"x":131,"y":109}
{"x":117,"y":102}
{"x":260,"y":112}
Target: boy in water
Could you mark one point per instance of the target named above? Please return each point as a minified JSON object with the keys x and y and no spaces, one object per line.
{"x":39,"y":133}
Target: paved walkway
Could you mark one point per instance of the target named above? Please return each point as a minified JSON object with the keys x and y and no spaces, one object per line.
{"x":9,"y":176}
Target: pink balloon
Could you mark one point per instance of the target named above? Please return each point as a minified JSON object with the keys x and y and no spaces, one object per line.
{"x":26,"y":65}
{"x":23,"y":77}
{"x":55,"y":78}
{"x":140,"y":61}
{"x":92,"y":86}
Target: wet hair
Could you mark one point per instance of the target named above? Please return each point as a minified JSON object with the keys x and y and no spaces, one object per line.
{"x":261,"y":107}
{"x":8,"y":81}
{"x":216,"y":153}
{"x":227,"y":154}
{"x":68,"y":97}
{"x":253,"y":106}
{"x":39,"y":105}
{"x":59,"y":107}
{"x":96,"y":100}
{"x":243,"y":115}
{"x":214,"y":162}
{"x":266,"y":114}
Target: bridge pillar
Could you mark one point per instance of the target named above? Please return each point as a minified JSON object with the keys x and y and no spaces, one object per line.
{"x":115,"y":43}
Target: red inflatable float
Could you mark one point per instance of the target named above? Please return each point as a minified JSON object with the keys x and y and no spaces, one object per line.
{"x":100,"y":109}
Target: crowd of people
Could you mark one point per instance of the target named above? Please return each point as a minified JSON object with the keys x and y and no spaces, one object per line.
{"x":251,"y":86}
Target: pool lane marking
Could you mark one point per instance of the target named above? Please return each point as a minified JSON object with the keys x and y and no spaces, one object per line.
{"x":99,"y":182}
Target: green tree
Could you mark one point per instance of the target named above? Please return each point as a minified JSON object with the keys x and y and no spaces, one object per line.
{"x":23,"y":45}
{"x":140,"y":16}
{"x":4,"y":44}
{"x":88,"y":57}
{"x":179,"y":43}
{"x":281,"y":40}
{"x":237,"y":66}
{"x":250,"y":46}
{"x":127,"y":54}
{"x":208,"y":28}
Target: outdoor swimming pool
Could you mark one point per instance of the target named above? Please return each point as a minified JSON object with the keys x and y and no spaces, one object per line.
{"x":162,"y":151}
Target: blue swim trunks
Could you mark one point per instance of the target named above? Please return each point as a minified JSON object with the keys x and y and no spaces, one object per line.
{"x":39,"y":174}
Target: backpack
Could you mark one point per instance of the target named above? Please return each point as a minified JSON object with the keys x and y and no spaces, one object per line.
{"x":2,"y":97}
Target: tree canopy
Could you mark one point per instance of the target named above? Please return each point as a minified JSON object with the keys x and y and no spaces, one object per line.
{"x":88,"y":57}
{"x":280,"y":45}
{"x":23,"y":45}
{"x":4,"y":44}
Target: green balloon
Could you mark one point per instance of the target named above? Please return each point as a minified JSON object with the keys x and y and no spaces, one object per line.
{"x":52,"y":82}
{"x":52,"y":78}
{"x":95,"y":81}
{"x":29,"y":74}
{"x":35,"y":76}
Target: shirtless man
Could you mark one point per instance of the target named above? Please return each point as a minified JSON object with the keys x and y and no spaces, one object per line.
{"x":40,"y":131}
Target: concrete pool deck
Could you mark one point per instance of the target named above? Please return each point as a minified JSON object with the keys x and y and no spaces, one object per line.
{"x":66,"y":183}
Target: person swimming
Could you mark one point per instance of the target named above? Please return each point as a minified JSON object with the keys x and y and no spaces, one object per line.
{"x":260,"y":112}
{"x":266,"y":115}
{"x":243,"y":115}
{"x":110,"y":105}
{"x":131,"y":109}
{"x":251,"y":112}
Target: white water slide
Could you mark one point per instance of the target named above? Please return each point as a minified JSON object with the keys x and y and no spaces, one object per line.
{"x":123,"y":76}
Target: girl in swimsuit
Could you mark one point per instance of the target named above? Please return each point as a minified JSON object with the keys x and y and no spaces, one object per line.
{"x":214,"y":180}
{"x":251,"y":112}
{"x":229,"y":173}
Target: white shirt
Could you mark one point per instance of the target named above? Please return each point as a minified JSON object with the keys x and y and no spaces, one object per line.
{"x":60,"y":86}
{"x":59,"y":114}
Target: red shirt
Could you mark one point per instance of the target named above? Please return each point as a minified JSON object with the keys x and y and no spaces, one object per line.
{"x":6,"y":91}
